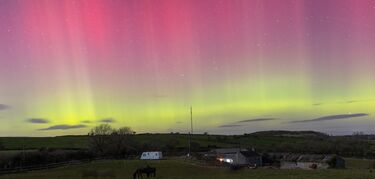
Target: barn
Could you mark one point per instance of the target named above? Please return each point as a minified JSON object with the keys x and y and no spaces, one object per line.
{"x":311,"y":161}
{"x":152,"y":155}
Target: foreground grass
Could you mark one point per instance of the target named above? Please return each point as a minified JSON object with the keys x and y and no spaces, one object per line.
{"x":359,"y":163}
{"x":173,"y":169}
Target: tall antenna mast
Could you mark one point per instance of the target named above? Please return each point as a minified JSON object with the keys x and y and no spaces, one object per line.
{"x":191,"y":129}
{"x":191,"y":119}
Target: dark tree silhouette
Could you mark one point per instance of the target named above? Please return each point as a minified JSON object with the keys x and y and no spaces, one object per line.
{"x":105,"y":140}
{"x":99,"y":138}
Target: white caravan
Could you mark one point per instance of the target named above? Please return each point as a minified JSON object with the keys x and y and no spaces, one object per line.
{"x":155,"y":155}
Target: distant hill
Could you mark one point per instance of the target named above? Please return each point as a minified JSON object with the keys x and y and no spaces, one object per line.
{"x":310,"y":142}
{"x":281,"y":133}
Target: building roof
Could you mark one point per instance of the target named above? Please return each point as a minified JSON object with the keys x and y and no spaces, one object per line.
{"x":249,"y":153}
{"x":228,"y":150}
{"x":318,"y":158}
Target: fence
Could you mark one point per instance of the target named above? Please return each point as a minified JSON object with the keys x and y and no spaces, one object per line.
{"x":42,"y":167}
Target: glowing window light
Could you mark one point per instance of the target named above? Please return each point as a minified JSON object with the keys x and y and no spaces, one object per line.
{"x":228,"y":160}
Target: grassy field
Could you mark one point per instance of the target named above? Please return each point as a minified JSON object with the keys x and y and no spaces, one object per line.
{"x":354,"y":146}
{"x":173,"y":169}
{"x":81,"y":142}
{"x":359,"y":163}
{"x":17,"y":143}
{"x":179,"y":140}
{"x":178,"y":168}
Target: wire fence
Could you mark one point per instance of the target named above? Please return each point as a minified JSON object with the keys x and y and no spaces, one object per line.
{"x":43,"y":167}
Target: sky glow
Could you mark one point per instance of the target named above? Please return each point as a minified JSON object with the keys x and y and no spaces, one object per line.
{"x":244,"y":65}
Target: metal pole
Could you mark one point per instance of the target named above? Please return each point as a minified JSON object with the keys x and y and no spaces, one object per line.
{"x":191,"y":119}
{"x":191,"y":129}
{"x":189,"y":144}
{"x":23,"y":153}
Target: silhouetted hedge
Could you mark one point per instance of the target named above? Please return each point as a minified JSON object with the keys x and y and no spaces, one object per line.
{"x":44,"y":157}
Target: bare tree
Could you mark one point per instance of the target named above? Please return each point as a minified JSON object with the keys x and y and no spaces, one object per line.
{"x":121,"y":141}
{"x":105,"y":140}
{"x":102,"y":130}
{"x":99,"y":138}
{"x":125,"y":131}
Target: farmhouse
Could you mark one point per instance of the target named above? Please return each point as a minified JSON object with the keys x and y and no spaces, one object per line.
{"x":154,"y":155}
{"x":237,"y":156}
{"x":313,"y":161}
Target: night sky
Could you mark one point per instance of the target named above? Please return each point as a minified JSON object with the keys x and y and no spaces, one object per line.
{"x":243,"y":65}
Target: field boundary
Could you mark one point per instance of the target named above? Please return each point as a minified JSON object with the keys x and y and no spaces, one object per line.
{"x":43,"y":167}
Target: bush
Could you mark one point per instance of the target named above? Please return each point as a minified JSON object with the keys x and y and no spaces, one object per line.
{"x":195,"y":146}
{"x":172,"y":145}
{"x":2,"y":147}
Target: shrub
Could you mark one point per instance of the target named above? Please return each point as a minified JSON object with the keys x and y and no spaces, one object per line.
{"x":2,"y":147}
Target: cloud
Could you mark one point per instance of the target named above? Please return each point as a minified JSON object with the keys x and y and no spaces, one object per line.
{"x":4,"y":107}
{"x":63,"y":127}
{"x":236,"y":124}
{"x":358,"y":101}
{"x":332,"y":117}
{"x":230,"y":125}
{"x":256,"y":120}
{"x":107,"y":120}
{"x":38,"y":121}
{"x":345,"y":102}
{"x":352,"y":101}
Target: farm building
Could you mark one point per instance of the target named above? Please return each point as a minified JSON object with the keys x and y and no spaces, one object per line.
{"x":154,"y":155}
{"x":237,"y":156}
{"x":313,"y":161}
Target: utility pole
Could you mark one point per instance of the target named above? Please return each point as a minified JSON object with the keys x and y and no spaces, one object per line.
{"x":191,"y":119}
{"x":23,"y":154}
{"x":191,"y":129}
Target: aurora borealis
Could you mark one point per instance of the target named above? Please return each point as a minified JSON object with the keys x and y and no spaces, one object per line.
{"x":244,"y":65}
